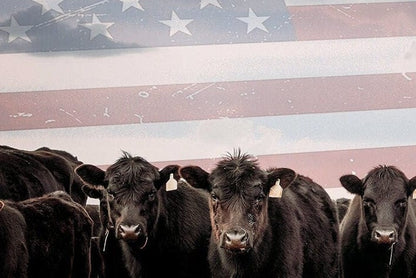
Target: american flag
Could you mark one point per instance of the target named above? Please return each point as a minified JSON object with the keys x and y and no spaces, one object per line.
{"x":325,"y":87}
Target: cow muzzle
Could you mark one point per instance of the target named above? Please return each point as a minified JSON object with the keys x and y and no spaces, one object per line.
{"x":132,"y":233}
{"x":235,"y":240}
{"x":384,"y":236}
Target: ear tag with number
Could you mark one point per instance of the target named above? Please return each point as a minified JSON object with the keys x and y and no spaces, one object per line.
{"x":276,"y":190}
{"x":172,"y":184}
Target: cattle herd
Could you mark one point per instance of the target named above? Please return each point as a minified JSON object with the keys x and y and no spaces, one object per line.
{"x":238,"y":220}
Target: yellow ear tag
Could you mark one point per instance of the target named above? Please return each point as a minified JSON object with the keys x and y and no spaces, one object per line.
{"x":276,"y":190}
{"x":172,"y":184}
{"x":414,"y":194}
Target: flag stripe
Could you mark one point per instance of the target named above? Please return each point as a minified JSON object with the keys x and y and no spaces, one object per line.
{"x":130,"y":105}
{"x":209,"y":138}
{"x":327,"y":167}
{"x":347,"y":21}
{"x":290,"y":3}
{"x":204,"y":64}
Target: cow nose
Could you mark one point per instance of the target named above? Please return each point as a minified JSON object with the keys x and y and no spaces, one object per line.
{"x":236,"y":239}
{"x":384,"y":236}
{"x":129,"y":232}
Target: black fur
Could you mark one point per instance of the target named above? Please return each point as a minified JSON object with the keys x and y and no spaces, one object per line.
{"x":174,"y":225}
{"x":28,"y":174}
{"x":383,"y":201}
{"x":292,"y":236}
{"x":14,"y":257}
{"x":57,"y":235}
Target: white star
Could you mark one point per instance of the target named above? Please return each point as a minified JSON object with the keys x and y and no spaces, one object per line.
{"x":16,"y":31}
{"x":177,"y":25}
{"x":253,"y":21}
{"x":98,"y":28}
{"x":50,"y":5}
{"x":205,"y":3}
{"x":131,"y":3}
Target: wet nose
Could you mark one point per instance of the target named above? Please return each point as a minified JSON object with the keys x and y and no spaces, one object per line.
{"x":236,"y":239}
{"x":127,"y":232}
{"x":384,"y":236}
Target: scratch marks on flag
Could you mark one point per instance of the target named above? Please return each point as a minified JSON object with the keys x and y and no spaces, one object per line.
{"x":70,"y":115}
{"x":140,"y":117}
{"x":341,"y":11}
{"x":21,"y":115}
{"x":191,"y":96}
{"x":106,"y":114}
{"x":406,"y":76}
{"x":79,"y":12}
{"x":181,"y":91}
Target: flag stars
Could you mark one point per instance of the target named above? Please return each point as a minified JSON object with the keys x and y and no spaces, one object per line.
{"x":131,"y":3}
{"x":177,"y":25}
{"x":48,"y":5}
{"x":253,"y":21}
{"x":205,"y":3}
{"x":16,"y":31}
{"x":98,"y":28}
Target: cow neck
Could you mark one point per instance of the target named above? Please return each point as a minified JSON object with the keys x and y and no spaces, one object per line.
{"x":1,"y":205}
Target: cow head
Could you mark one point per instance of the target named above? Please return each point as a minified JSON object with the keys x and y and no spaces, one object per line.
{"x":128,"y":190}
{"x":385,"y":194}
{"x":239,"y":199}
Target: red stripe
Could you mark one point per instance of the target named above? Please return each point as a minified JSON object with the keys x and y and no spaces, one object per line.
{"x":327,"y":167}
{"x":349,"y":21}
{"x":113,"y":106}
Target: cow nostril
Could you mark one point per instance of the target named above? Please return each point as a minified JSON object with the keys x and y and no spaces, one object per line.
{"x":391,"y":235}
{"x":137,"y":230}
{"x":378,"y":235}
{"x":120,"y":229}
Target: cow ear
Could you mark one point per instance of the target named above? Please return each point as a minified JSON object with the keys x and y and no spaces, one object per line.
{"x":96,"y":192}
{"x":285,"y":176}
{"x":195,"y":176}
{"x":353,"y":184}
{"x":412,"y":187}
{"x":91,"y":174}
{"x":165,"y":175}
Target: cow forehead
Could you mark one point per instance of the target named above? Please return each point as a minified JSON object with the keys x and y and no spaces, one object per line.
{"x":385,"y":189}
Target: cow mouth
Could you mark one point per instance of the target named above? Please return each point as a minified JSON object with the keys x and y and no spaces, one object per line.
{"x":237,"y":251}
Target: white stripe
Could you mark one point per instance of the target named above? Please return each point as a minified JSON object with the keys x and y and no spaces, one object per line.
{"x":339,"y":2}
{"x":207,"y":63}
{"x":102,"y":145}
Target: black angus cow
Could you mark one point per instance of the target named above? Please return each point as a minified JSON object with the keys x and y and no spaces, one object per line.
{"x":378,"y":233}
{"x":159,"y":233}
{"x":254,"y":235}
{"x":57,"y":236}
{"x":27,"y":174}
{"x":14,"y":256}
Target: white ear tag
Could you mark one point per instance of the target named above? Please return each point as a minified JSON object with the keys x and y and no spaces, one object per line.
{"x":172,"y":184}
{"x":276,"y":190}
{"x":414,"y":194}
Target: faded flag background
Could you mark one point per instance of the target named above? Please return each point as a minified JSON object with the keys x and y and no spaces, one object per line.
{"x":326,"y":87}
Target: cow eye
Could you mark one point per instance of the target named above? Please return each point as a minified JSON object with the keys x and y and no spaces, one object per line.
{"x":402,"y":203}
{"x":214,"y":197}
{"x":151,"y":196}
{"x":368,"y":203}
